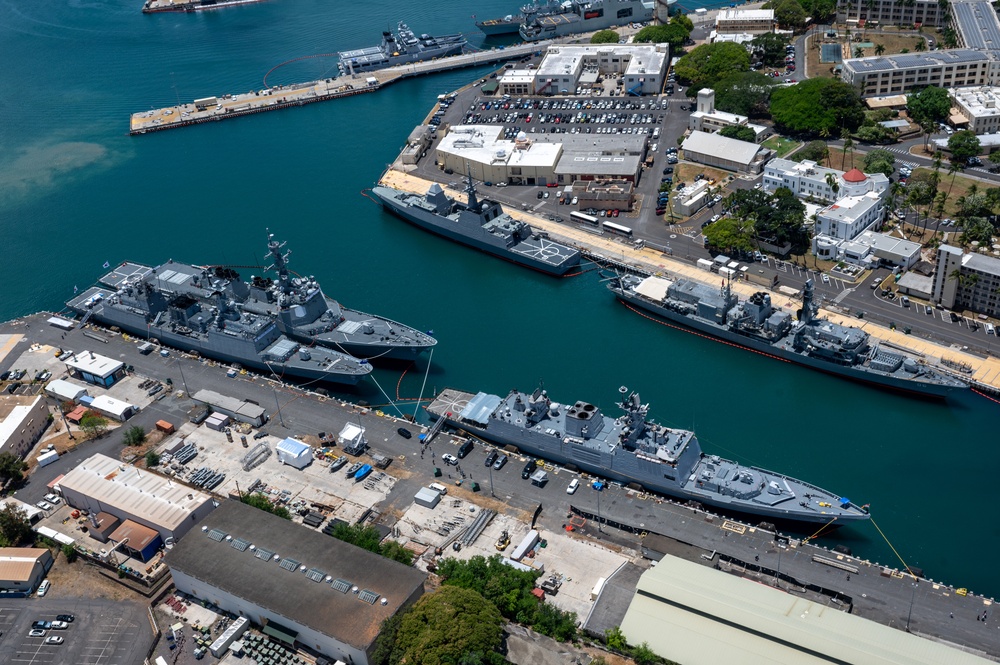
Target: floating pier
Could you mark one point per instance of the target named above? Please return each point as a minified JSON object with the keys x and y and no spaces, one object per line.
{"x":154,"y":6}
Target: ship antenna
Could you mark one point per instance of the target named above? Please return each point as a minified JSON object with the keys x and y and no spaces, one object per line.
{"x":808,"y":305}
{"x":280,"y":261}
{"x":471,"y":191}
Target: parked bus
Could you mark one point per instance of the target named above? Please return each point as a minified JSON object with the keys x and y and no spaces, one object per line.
{"x":583,"y":219}
{"x":618,"y":229}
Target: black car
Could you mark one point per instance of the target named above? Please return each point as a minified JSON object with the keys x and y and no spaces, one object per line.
{"x":403,"y":432}
{"x":464,"y":449}
{"x":41,"y":625}
{"x":68,"y":618}
{"x":5,"y":376}
{"x":529,"y":469}
{"x":492,"y":457}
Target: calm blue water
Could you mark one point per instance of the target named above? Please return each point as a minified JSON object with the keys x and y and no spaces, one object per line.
{"x":76,"y":191}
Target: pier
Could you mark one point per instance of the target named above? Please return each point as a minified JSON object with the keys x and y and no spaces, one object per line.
{"x":225,"y":107}
{"x":155,"y":6}
{"x":983,"y":373}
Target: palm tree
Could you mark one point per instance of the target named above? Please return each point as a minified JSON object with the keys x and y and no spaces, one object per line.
{"x":848,"y":147}
{"x":859,"y":52}
{"x":940,"y":201}
{"x":833,"y":184}
{"x":953,"y":170}
{"x":879,"y":49}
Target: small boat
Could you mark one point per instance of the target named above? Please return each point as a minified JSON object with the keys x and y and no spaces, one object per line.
{"x":362,"y":473}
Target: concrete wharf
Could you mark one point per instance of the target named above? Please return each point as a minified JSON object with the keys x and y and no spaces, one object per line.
{"x":982,"y":372}
{"x":154,"y":6}
{"x":225,"y":107}
{"x":617,"y":517}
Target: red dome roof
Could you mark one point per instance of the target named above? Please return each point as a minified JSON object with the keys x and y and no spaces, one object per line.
{"x":855,"y":175}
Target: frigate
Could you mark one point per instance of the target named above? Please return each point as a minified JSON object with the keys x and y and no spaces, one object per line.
{"x":634,"y":450}
{"x":758,"y":325}
{"x":480,"y":224}
{"x":402,"y":48}
{"x":509,"y":25}
{"x":579,"y":16}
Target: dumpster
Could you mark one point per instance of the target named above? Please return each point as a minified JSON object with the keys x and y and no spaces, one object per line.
{"x":437,"y":472}
{"x":475,"y":487}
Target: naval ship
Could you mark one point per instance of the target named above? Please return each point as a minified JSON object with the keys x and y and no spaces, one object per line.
{"x":509,"y":25}
{"x":634,"y":450}
{"x":401,"y":48}
{"x":586,"y":16}
{"x":483,"y":225}
{"x":810,"y":341}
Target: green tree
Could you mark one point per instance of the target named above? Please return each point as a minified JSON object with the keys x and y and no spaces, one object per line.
{"x":740,"y":132}
{"x":963,"y":145}
{"x":880,"y":161}
{"x":615,"y":639}
{"x":929,"y":105}
{"x":643,"y":655}
{"x":994,"y":158}
{"x":258,"y":500}
{"x":859,"y":52}
{"x":363,"y":536}
{"x":605,"y":37}
{"x":790,"y":14}
{"x":683,"y":21}
{"x":730,"y":234}
{"x":875,"y":133}
{"x":771,"y":48}
{"x":15,"y":528}
{"x":69,"y":552}
{"x":390,"y":549}
{"x":444,"y":626}
{"x":816,"y":105}
{"x":710,"y":63}
{"x":976,"y":229}
{"x":134,"y":436}
{"x":745,"y":93}
{"x":12,"y":467}
{"x":879,"y":49}
{"x":152,"y":459}
{"x":672,"y":34}
{"x":814,"y":151}
{"x":93,"y":425}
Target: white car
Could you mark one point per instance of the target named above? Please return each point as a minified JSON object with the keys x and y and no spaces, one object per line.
{"x":449,"y":459}
{"x":44,"y":505}
{"x":59,"y":625}
{"x":43,"y":588}
{"x":573,"y":484}
{"x":575,"y":200}
{"x":53,"y":499}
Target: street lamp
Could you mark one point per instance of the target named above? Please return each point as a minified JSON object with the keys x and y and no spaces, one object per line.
{"x":599,"y":511}
{"x":278,"y":405}
{"x":492,"y":494}
{"x":913,"y":595}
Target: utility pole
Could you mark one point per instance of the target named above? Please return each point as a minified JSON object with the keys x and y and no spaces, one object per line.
{"x":913,"y":595}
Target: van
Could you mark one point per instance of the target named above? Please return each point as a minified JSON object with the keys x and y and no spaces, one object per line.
{"x":439,"y":488}
{"x":991,"y":329}
{"x":464,"y":449}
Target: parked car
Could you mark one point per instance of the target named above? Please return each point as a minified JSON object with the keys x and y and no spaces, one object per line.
{"x":41,"y":625}
{"x":54,"y":639}
{"x":43,"y":588}
{"x":44,"y":505}
{"x":491,"y":458}
{"x":499,"y":464}
{"x":68,"y":618}
{"x":403,"y":432}
{"x":53,"y":499}
{"x":449,"y":459}
{"x":59,"y":625}
{"x":573,"y":484}
{"x":529,"y":469}
{"x":37,"y":632}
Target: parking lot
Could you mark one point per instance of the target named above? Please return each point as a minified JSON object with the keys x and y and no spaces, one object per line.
{"x":102,"y":633}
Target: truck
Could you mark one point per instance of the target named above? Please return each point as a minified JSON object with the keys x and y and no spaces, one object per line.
{"x":48,"y":457}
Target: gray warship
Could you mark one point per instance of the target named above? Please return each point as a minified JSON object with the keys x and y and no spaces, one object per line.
{"x":632,"y":449}
{"x":509,"y":25}
{"x":585,"y":16}
{"x":483,"y":225}
{"x":401,"y":48}
{"x":810,"y":341}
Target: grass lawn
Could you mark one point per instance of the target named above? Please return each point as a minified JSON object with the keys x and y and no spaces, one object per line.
{"x":814,"y":67}
{"x":781,"y":145}
{"x":892,"y":43}
{"x":687,"y":172}
{"x":960,"y":189}
{"x":836,"y":159}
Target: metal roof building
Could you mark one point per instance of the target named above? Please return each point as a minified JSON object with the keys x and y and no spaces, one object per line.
{"x":723,"y":152}
{"x":22,"y":568}
{"x":101,"y":483}
{"x":303,"y":587}
{"x":96,"y":369}
{"x":695,"y":615}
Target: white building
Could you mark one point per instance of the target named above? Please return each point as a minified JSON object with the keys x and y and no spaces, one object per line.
{"x":96,"y":369}
{"x":808,"y":180}
{"x":301,"y":587}
{"x":23,"y":419}
{"x":890,"y":12}
{"x":725,"y":153}
{"x":978,"y":287}
{"x":294,"y":453}
{"x":869,"y":250}
{"x":23,"y":568}
{"x":708,"y":119}
{"x":65,"y":391}
{"x":849,"y":216}
{"x":102,"y":484}
{"x":902,"y":73}
{"x":564,"y":68}
{"x":980,"y":106}
{"x":751,"y":21}
{"x":113,"y":408}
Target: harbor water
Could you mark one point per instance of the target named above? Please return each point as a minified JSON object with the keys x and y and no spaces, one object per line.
{"x":76,"y":191}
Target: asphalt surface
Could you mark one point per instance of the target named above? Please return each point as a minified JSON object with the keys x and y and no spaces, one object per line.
{"x":104,"y":633}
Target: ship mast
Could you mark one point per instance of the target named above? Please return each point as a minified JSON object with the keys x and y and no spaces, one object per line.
{"x":470,"y":189}
{"x":280,"y":262}
{"x":808,"y":313}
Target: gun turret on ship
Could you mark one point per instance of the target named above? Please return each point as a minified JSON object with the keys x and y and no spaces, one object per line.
{"x":810,"y":341}
{"x":633,"y":449}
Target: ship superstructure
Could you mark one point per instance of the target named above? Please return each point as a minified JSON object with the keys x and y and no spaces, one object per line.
{"x":400,"y":48}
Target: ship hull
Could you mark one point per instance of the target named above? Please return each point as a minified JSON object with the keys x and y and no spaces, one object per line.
{"x":614,"y":468}
{"x":921,"y":389}
{"x":499,"y":28}
{"x":185,"y":343}
{"x":607,"y":16}
{"x":441,"y":227}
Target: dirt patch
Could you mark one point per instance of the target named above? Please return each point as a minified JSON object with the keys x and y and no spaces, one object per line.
{"x":82,"y":580}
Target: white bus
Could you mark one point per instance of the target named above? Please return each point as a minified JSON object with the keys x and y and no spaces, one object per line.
{"x":583,"y":219}
{"x":618,"y":229}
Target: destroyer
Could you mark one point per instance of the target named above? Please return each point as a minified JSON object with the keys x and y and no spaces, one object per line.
{"x":509,"y":25}
{"x":401,"y":48}
{"x":483,"y":225}
{"x":578,"y":16}
{"x":632,"y":449}
{"x":755,"y":324}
